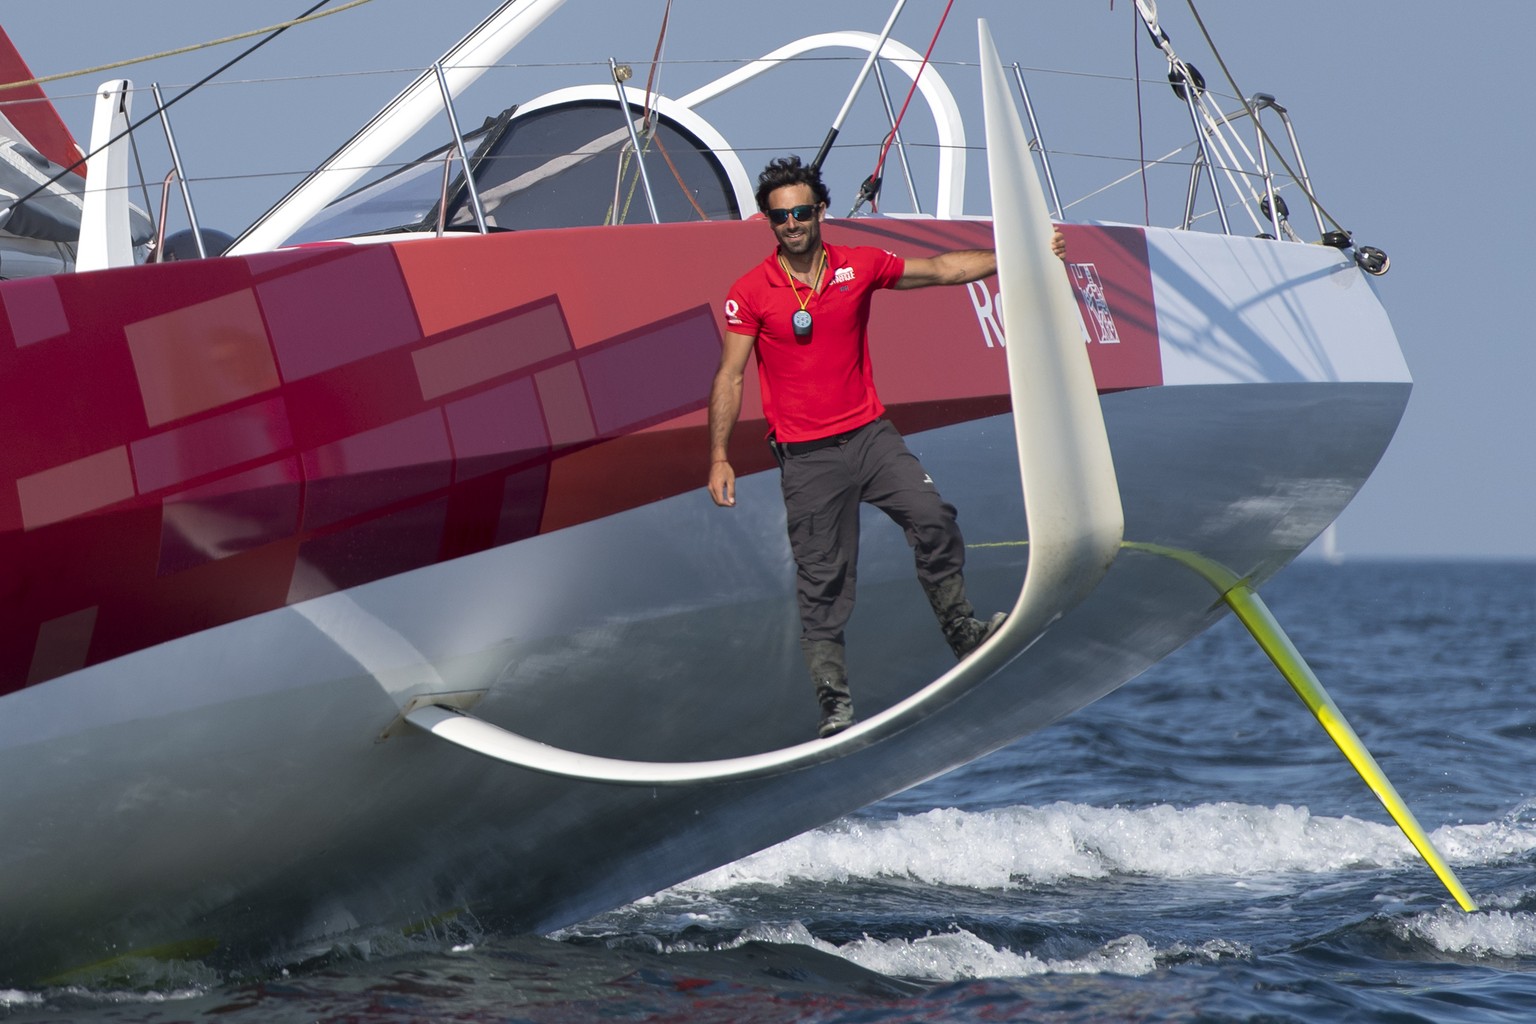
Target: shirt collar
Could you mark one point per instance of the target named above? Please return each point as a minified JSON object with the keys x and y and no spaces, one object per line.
{"x":836,"y":257}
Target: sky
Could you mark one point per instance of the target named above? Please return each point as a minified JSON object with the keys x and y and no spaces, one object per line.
{"x":1413,"y":118}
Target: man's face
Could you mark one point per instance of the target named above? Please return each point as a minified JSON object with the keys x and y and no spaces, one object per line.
{"x":797,"y":237}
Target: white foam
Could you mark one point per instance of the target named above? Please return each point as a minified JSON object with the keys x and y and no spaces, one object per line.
{"x":130,"y":997}
{"x":1027,"y":845}
{"x":1485,"y":933}
{"x":125,"y":982}
{"x":1487,"y":843}
{"x":959,"y":955}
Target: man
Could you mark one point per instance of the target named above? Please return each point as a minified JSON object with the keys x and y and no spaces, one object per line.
{"x":834,"y":449}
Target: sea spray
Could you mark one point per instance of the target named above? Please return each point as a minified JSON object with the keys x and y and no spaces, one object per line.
{"x":1009,"y":847}
{"x":953,"y":955}
{"x":1497,"y":933}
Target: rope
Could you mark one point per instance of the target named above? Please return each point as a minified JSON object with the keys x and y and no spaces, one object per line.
{"x":282,"y":26}
{"x":651,"y":130}
{"x":652,"y":135}
{"x":1141,"y":137}
{"x":179,"y":97}
{"x":874,"y":201}
{"x":650,"y":78}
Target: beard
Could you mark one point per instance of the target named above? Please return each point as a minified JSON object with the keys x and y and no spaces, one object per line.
{"x":799,"y":245}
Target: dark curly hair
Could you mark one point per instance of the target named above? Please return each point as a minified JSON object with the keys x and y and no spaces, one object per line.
{"x":788,"y":170}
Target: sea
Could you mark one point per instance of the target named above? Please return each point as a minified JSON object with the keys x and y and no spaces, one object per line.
{"x":1190,"y":848}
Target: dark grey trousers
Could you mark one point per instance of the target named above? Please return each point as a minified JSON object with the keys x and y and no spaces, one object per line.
{"x":822,"y":492}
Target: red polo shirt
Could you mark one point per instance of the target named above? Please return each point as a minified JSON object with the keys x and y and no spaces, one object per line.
{"x":821,"y":384}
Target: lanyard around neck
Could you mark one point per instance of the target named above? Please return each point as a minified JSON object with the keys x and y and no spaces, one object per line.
{"x":821,"y":264}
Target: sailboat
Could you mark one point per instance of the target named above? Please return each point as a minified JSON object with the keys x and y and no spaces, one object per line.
{"x":363,"y":576}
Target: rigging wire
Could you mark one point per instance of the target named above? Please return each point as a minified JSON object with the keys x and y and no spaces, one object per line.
{"x":279,"y":27}
{"x":160,"y":109}
{"x":653,"y":130}
{"x":873,"y":182}
{"x":1207,"y":119}
{"x":1141,"y":136}
{"x":655,"y":72}
{"x":652,"y":134}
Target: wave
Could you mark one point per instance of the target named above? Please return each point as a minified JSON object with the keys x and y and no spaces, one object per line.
{"x":1496,"y":933}
{"x":88,"y":999}
{"x":960,"y":955}
{"x":956,"y":955}
{"x":1010,"y":847}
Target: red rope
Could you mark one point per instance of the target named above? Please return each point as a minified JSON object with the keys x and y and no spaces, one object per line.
{"x":874,"y":203}
{"x":1141,"y":138}
{"x":650,"y":81}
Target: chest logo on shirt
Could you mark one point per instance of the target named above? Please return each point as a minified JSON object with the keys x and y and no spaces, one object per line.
{"x":843,"y":275}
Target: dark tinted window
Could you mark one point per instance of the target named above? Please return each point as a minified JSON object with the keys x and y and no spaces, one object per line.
{"x":573,"y":164}
{"x":563,"y":166}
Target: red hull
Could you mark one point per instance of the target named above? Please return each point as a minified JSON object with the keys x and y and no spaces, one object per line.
{"x":194,"y":443}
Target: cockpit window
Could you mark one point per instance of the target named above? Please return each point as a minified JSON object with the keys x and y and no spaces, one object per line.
{"x":560,"y":166}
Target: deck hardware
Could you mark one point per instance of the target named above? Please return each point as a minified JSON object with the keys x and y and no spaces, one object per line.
{"x":621,"y":73}
{"x":458,"y":145}
{"x":181,"y":174}
{"x":1372,"y":260}
{"x":1037,"y":142}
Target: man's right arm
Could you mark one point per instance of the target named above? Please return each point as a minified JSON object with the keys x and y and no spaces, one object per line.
{"x":724,"y":409}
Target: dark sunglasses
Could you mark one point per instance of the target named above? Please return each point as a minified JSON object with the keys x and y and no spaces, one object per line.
{"x":802,"y":213}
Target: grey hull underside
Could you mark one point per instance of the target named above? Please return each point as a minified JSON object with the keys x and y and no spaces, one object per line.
{"x":230,"y":790}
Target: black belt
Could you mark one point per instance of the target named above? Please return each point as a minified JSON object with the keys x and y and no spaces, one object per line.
{"x":806,"y":447}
